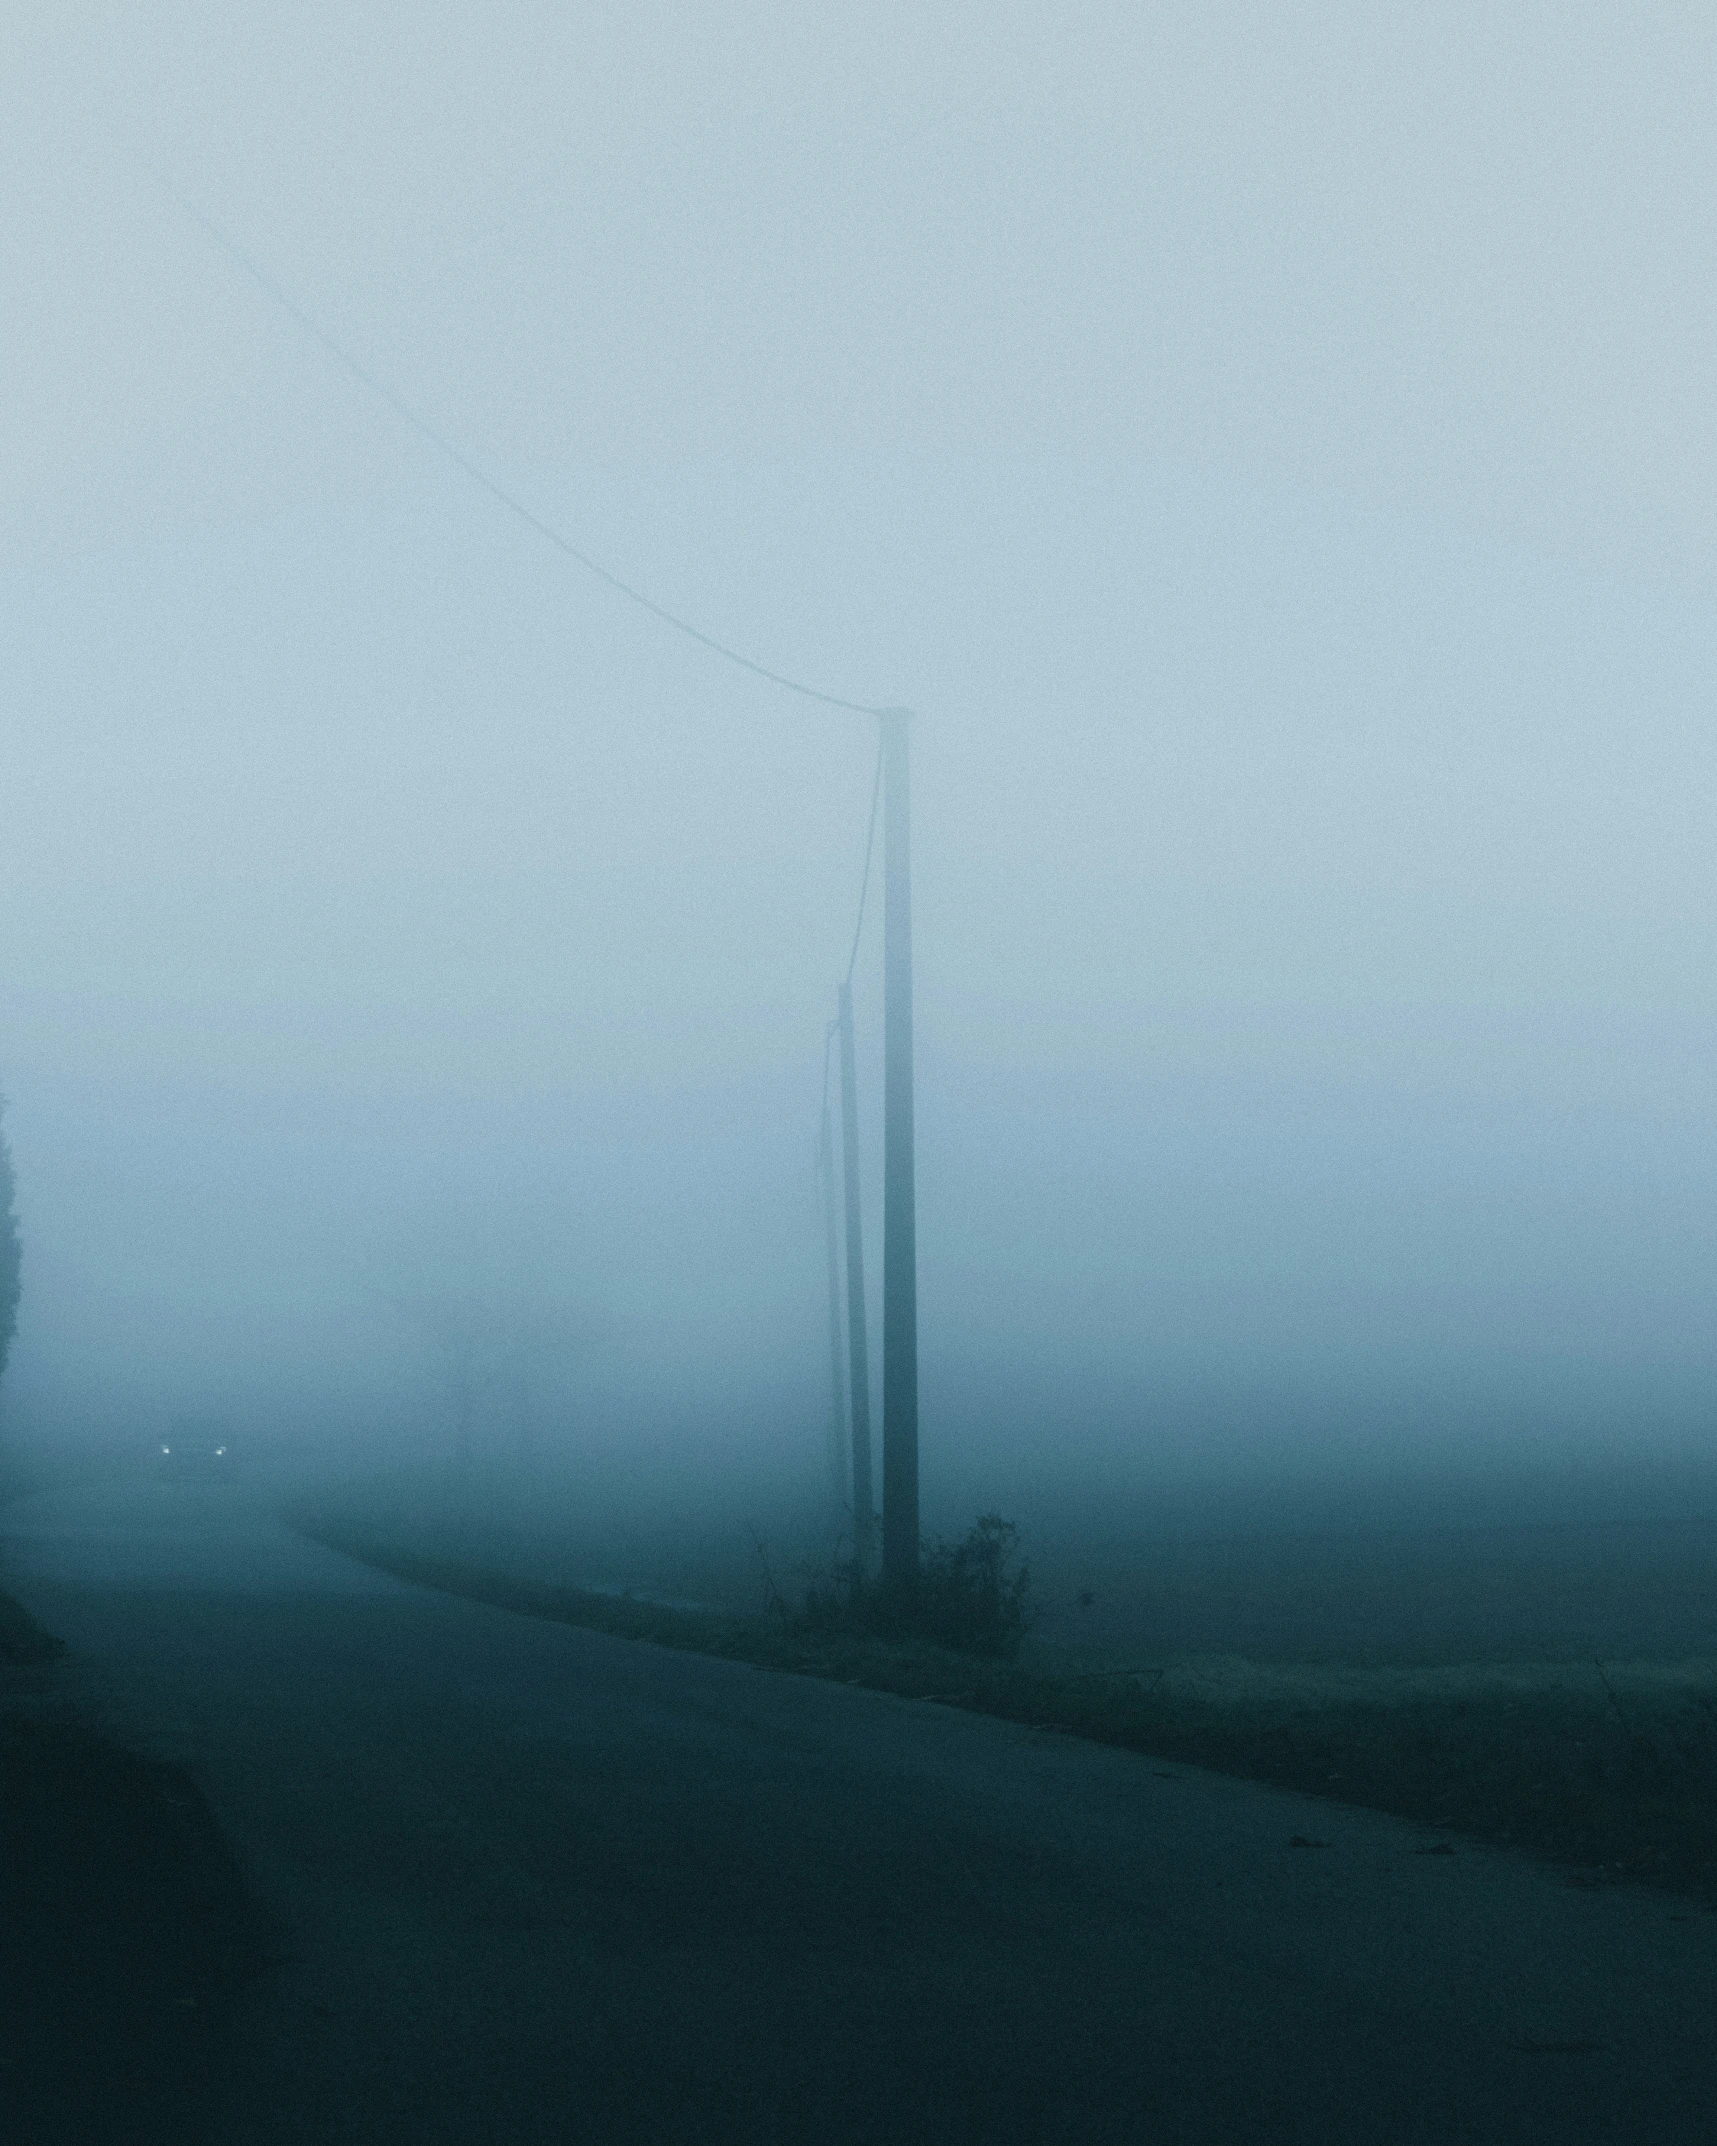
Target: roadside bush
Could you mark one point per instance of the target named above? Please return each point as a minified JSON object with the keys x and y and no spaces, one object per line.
{"x":970,"y":1595}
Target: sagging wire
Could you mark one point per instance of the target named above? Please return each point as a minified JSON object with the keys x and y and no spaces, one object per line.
{"x":478,"y":475}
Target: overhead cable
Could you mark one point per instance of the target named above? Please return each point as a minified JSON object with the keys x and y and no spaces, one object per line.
{"x":478,"y":475}
{"x":864,"y":883}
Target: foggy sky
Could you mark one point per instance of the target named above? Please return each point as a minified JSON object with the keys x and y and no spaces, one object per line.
{"x":1271,"y":448}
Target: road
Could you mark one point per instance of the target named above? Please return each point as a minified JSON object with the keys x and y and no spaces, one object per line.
{"x":533,"y":1883}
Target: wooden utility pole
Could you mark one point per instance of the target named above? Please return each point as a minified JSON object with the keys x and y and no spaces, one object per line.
{"x":899,"y":1218}
{"x":837,"y":1383}
{"x":858,"y":1343}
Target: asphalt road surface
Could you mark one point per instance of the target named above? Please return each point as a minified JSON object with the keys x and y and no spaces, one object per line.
{"x":532,"y":1883}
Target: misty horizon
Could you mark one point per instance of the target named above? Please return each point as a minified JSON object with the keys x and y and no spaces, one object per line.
{"x":1285,"y":514}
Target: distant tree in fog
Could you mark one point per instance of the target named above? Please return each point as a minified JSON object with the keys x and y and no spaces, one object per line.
{"x":11,"y":1252}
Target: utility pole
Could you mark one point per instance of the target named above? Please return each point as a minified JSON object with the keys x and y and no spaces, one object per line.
{"x":858,"y":1344}
{"x":837,"y":1385}
{"x":899,"y":1218}
{"x":464,"y":1409}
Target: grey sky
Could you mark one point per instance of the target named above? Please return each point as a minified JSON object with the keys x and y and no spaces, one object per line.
{"x":1272,"y":447}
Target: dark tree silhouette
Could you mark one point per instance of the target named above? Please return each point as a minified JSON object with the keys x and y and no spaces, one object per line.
{"x":11,"y":1253}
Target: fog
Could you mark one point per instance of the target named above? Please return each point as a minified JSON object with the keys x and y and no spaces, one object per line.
{"x":1272,"y":452}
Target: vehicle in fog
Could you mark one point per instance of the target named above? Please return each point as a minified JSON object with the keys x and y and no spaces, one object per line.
{"x":194,"y":1450}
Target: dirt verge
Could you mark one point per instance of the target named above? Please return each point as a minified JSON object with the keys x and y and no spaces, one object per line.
{"x":125,"y":1932}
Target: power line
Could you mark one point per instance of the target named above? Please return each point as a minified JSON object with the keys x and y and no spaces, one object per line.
{"x":455,"y":454}
{"x":869,"y":845}
{"x":403,"y":410}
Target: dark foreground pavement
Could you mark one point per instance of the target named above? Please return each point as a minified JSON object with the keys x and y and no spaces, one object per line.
{"x":530,"y":1883}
